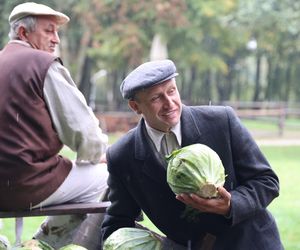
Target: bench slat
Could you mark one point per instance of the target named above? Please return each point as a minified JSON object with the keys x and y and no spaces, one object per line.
{"x":62,"y":209}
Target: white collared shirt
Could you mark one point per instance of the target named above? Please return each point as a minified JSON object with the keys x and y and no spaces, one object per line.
{"x":156,"y":136}
{"x":74,"y":120}
{"x":75,"y":123}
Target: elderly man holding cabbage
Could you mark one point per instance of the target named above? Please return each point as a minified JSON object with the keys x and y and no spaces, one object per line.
{"x":210,"y":193}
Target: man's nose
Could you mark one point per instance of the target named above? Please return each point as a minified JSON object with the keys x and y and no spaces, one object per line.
{"x":168,"y":100}
{"x":56,"y":38}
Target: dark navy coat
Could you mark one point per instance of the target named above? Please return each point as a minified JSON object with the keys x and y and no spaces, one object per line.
{"x":137,"y":181}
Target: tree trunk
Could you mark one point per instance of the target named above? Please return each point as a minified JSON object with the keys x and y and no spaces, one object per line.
{"x":257,"y":79}
{"x":227,"y":88}
{"x":207,"y":87}
{"x":85,"y":43}
{"x":269,"y":79}
{"x":288,"y":79}
{"x":85,"y":84}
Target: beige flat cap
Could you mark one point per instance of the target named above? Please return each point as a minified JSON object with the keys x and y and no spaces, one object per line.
{"x":31,"y":8}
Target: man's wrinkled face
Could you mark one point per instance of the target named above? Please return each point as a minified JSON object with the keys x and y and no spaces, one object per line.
{"x":160,"y":105}
{"x":45,"y":36}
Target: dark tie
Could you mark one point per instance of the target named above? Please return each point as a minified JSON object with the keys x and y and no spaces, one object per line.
{"x":168,"y":143}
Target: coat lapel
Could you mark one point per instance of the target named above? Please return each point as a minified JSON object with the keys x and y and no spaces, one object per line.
{"x":191,"y":131}
{"x":152,"y":162}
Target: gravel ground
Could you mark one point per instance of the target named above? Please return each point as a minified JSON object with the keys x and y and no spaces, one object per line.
{"x":278,"y":142}
{"x":268,"y":138}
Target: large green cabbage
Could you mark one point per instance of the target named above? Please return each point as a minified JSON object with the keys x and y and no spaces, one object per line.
{"x":195,"y":169}
{"x":128,"y":238}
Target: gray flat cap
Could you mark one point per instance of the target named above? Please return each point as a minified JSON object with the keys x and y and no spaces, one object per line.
{"x":147,"y":75}
{"x":35,"y":9}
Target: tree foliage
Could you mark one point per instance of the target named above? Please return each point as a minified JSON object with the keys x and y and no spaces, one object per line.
{"x":206,"y":39}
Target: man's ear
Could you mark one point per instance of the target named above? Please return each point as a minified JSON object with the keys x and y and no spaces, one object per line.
{"x":23,"y":34}
{"x":134,"y":106}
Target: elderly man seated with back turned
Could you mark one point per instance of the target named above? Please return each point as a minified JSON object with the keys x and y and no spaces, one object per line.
{"x":41,"y":110}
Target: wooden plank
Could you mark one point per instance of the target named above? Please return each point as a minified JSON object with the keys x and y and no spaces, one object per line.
{"x":62,"y":209}
{"x":260,"y":112}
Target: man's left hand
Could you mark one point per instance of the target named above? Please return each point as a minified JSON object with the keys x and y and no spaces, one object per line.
{"x":219,"y":205}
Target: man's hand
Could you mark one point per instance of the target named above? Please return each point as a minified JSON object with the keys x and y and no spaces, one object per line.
{"x":220,"y":205}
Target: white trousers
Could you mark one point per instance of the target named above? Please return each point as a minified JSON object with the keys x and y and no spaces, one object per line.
{"x":85,"y":183}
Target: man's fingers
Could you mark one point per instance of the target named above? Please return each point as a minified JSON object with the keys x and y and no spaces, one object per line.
{"x":224,"y":193}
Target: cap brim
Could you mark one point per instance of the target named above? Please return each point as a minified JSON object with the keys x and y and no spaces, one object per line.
{"x":33,"y":9}
{"x":130,"y":94}
{"x":61,"y":19}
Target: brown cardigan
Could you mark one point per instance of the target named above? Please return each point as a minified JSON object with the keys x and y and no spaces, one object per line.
{"x":30,"y":167}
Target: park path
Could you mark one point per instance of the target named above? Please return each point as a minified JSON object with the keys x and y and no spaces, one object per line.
{"x":278,"y":142}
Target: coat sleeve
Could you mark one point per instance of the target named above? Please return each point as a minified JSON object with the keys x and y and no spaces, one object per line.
{"x":123,"y":210}
{"x":257,"y":183}
{"x":73,"y":119}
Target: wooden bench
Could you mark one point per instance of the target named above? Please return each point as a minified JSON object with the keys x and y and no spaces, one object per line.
{"x":62,"y":209}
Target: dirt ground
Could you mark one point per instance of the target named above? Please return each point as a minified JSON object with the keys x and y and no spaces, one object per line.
{"x":272,"y":138}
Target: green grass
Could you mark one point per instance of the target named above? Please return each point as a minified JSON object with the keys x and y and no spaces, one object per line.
{"x":260,"y":125}
{"x":30,"y":226}
{"x":285,"y":161}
